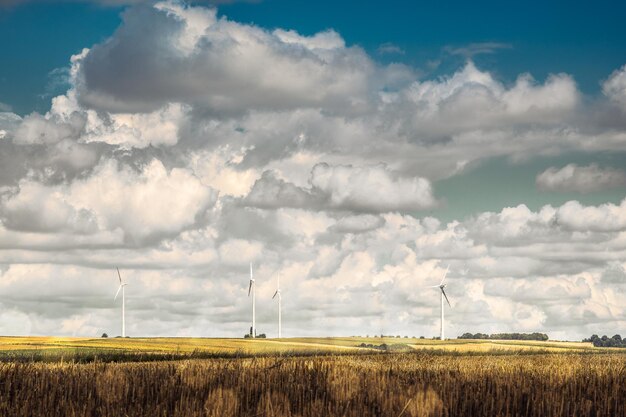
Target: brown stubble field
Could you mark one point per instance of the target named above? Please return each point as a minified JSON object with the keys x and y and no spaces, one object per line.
{"x":340,"y":382}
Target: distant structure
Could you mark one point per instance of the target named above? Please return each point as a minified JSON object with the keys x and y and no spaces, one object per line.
{"x":252,"y":289}
{"x":121,"y":287}
{"x":441,"y":286}
{"x":277,"y":293}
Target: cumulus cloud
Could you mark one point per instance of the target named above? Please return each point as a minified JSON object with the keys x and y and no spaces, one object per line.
{"x":472,"y":99}
{"x":604,"y":217}
{"x":223,"y":66}
{"x":374,"y":189}
{"x":379,"y":258}
{"x":344,"y":187}
{"x":8,"y":123}
{"x":581,"y":179}
{"x":615,"y":87}
{"x":144,"y":205}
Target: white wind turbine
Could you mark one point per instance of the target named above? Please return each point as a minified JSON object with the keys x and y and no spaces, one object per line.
{"x":252,"y":289}
{"x":121,"y":287}
{"x":277,"y":293}
{"x":441,"y":286}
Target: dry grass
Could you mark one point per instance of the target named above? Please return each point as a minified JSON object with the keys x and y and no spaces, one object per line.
{"x":408,"y":384}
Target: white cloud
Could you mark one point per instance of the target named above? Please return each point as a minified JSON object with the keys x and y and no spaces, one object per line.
{"x":345,"y":187}
{"x":375,"y":189}
{"x":502,"y":276}
{"x":603,"y":218}
{"x":239,"y":251}
{"x":37,"y":129}
{"x":615,"y":87}
{"x":473,"y":100}
{"x":144,"y":205}
{"x":581,"y":179}
{"x":8,"y":123}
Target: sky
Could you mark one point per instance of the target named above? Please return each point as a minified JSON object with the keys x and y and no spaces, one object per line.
{"x":355,"y":150}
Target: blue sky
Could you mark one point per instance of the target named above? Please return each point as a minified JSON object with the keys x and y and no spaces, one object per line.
{"x":355,"y":149}
{"x":586,"y":41}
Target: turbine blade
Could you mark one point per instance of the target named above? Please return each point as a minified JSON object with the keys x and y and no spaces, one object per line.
{"x":251,"y":270}
{"x":275,"y":294}
{"x":119,"y":275}
{"x":444,"y":275}
{"x":444,"y":294}
{"x":249,"y":288}
{"x":118,"y":292}
{"x":433,"y":286}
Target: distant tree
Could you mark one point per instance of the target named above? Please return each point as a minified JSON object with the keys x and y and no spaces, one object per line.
{"x":105,"y":335}
{"x":422,"y":337}
{"x":605,"y":341}
{"x":261,"y":336}
{"x":506,"y":336}
{"x":246,"y":336}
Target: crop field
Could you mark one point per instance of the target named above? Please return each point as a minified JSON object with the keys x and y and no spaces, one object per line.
{"x":308,"y":377}
{"x":57,"y":346}
{"x":399,"y":384}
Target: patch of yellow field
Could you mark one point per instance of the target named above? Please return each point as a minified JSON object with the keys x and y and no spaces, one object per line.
{"x":215,"y":345}
{"x":166,"y":345}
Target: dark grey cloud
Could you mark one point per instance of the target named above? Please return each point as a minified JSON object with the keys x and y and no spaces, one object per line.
{"x":189,"y":55}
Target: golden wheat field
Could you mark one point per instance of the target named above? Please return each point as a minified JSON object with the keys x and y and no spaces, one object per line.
{"x":251,"y":346}
{"x":308,"y":377}
{"x":403,"y":384}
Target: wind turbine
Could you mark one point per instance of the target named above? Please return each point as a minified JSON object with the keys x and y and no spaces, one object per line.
{"x":277,"y":293}
{"x":121,"y":287}
{"x":252,"y":288}
{"x":441,"y":286}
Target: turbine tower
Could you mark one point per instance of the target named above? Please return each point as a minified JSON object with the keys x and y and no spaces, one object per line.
{"x":251,"y":288}
{"x":121,"y":287}
{"x":277,"y":293}
{"x":441,"y":286}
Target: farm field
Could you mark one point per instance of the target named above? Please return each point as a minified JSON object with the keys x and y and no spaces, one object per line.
{"x":417,"y":383}
{"x":183,"y":346}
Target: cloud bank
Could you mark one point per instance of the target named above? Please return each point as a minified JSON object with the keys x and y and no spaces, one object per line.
{"x":190,"y":145}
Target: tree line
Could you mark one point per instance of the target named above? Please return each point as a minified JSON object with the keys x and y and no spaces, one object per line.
{"x":605,"y":341}
{"x":506,"y":336}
